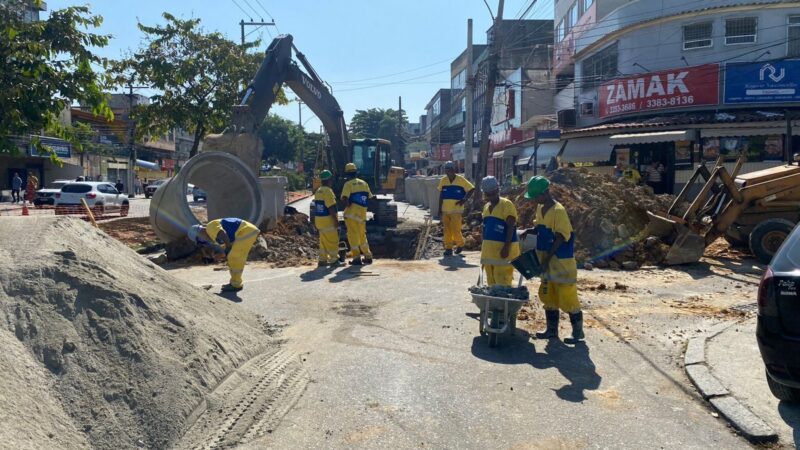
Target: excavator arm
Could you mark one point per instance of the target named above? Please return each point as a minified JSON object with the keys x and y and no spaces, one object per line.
{"x":277,"y":69}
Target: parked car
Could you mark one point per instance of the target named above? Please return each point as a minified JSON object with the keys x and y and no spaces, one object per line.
{"x":151,"y":188}
{"x":198,"y":194}
{"x":778,"y":329}
{"x":102,"y":198}
{"x":47,"y":196}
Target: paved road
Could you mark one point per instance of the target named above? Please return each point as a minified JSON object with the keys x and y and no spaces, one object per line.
{"x":395,"y":361}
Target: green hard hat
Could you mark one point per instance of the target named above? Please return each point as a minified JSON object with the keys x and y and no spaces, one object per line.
{"x":325,"y":174}
{"x":536,"y":187}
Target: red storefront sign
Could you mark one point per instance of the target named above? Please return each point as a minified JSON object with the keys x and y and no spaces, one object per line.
{"x":168,"y":164}
{"x":683,"y":87}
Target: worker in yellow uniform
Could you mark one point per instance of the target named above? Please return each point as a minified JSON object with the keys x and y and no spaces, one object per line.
{"x":326,"y":220}
{"x":454,"y":191}
{"x":555,"y":249}
{"x":631,"y":175}
{"x":356,"y":195}
{"x":236,"y":236}
{"x":500,"y":243}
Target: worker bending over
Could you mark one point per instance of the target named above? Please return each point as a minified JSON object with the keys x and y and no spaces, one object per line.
{"x":454,"y":191}
{"x":500,"y":243}
{"x":326,"y":220}
{"x":236,"y":236}
{"x":555,"y":246}
{"x":356,"y":195}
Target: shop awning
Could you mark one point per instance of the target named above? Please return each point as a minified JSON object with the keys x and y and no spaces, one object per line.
{"x":546,"y":151}
{"x":736,"y":132}
{"x":147,"y":164}
{"x":588,"y":149}
{"x":507,"y":153}
{"x":657,"y":136}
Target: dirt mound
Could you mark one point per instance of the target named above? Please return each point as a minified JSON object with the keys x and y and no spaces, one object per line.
{"x":293,"y":242}
{"x":135,"y":232}
{"x":609,"y":218}
{"x":101,"y":347}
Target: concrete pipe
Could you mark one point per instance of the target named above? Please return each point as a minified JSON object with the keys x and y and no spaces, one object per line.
{"x":232,"y":189}
{"x":412,"y":190}
{"x":432,"y":193}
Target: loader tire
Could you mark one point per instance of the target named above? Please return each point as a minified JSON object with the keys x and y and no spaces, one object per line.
{"x":738,"y":243}
{"x":767,"y":237}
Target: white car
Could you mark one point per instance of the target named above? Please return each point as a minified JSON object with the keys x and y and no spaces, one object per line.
{"x":47,"y":196}
{"x":102,"y":197}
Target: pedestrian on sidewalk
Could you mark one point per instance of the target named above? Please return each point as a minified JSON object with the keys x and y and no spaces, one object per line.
{"x":500,"y":243}
{"x":16,"y":186}
{"x":655,"y":176}
{"x":555,"y":249}
{"x":30,"y":189}
{"x":454,"y":191}
{"x":356,"y":195}
{"x":119,"y":186}
{"x":236,"y":236}
{"x":137,"y":186}
{"x":326,"y":219}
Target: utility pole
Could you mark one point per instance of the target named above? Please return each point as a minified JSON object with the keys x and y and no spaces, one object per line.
{"x":469,"y":94}
{"x":495,"y":48}
{"x":132,"y":153}
{"x":243,"y":24}
{"x":788,"y":145}
{"x":300,"y":113}
{"x":400,"y":152}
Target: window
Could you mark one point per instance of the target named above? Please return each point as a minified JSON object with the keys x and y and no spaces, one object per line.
{"x":458,"y":81}
{"x":76,"y":188}
{"x":573,"y":15}
{"x":560,"y":32}
{"x":599,"y":67}
{"x":741,"y":30}
{"x":587,"y":4}
{"x":794,"y":37}
{"x":697,"y":35}
{"x":437,"y":107}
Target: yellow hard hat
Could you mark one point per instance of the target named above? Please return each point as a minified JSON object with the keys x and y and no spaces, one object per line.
{"x":350,"y":168}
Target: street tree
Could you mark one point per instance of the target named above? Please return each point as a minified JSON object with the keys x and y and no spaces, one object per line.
{"x":198,"y":75}
{"x":47,"y":65}
{"x":378,"y":123}
{"x":282,"y":139}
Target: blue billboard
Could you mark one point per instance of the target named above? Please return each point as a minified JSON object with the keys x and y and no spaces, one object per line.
{"x":762,"y":82}
{"x":61,"y":148}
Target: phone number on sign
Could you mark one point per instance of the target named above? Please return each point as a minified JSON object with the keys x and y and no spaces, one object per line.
{"x":671,"y":101}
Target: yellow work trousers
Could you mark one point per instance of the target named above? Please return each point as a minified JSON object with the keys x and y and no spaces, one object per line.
{"x":499,"y":275}
{"x":238,"y":257}
{"x":452,"y":231}
{"x":357,"y":237}
{"x":328,"y":246}
{"x":555,"y":296}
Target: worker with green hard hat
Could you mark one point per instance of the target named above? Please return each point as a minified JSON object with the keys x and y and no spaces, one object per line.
{"x":555,"y":249}
{"x":326,"y":220}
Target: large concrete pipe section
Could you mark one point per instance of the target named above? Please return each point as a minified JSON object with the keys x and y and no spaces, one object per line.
{"x":432,"y":194}
{"x":232,"y":188}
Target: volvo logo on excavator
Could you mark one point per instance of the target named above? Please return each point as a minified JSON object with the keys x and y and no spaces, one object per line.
{"x":310,"y":86}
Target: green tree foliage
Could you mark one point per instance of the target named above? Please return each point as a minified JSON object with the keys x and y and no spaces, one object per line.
{"x":378,"y":123}
{"x":282,"y":139}
{"x":47,"y":65}
{"x":199,"y":76}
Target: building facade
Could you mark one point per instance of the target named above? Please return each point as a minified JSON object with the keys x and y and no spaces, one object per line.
{"x":677,"y":83}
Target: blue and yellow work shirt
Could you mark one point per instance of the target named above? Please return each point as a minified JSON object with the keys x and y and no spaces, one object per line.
{"x":324,"y":200}
{"x":453,"y":192}
{"x":563,"y":268}
{"x":359,"y":193}
{"x":494,"y":233}
{"x":233,"y":227}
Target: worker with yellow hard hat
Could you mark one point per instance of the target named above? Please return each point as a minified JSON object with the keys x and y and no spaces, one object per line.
{"x":500,"y":243}
{"x":326,"y":220}
{"x":236,"y":236}
{"x":356,"y":195}
{"x":555,"y":249}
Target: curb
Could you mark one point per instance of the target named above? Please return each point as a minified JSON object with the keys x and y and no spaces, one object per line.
{"x":751,"y":426}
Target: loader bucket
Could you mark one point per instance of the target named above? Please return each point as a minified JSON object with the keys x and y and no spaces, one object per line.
{"x":686,"y":245}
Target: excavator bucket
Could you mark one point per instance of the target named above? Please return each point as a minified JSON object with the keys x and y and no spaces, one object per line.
{"x":686,"y":245}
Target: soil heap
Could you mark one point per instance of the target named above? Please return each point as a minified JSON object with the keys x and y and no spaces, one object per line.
{"x":293,"y":242}
{"x":101,"y":348}
{"x":609,"y":218}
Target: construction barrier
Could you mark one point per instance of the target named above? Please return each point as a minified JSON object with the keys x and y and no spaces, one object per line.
{"x":432,"y":194}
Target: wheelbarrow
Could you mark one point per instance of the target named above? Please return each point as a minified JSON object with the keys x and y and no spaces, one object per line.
{"x":498,"y":314}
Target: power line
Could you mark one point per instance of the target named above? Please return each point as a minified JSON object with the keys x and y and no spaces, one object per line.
{"x":242,"y":10}
{"x":265,"y":10}
{"x":253,"y":9}
{"x":394,"y":74}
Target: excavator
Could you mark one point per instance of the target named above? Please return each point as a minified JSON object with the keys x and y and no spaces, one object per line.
{"x":372,"y":156}
{"x":757,"y":209}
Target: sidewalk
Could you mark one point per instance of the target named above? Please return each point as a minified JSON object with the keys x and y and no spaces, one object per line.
{"x":733,"y":358}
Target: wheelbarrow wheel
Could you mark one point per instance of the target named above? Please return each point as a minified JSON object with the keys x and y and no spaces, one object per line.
{"x":493,"y":340}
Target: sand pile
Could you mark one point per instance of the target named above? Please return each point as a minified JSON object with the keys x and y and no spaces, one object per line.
{"x":102,"y":348}
{"x":609,"y":218}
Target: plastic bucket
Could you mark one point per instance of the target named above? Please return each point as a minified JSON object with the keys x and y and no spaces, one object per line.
{"x":528,"y":264}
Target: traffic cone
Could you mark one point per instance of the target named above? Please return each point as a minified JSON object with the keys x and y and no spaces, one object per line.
{"x":25,"y":211}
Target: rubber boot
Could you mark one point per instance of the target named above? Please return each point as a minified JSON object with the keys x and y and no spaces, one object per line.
{"x":576,"y":319}
{"x":551,"y":331}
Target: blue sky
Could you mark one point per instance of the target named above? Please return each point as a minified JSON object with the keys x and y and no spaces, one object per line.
{"x":371,"y":51}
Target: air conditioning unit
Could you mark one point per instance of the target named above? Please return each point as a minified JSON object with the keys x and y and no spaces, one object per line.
{"x":587,"y":109}
{"x":567,"y":118}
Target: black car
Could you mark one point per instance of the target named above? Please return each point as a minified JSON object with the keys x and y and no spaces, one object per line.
{"x":150,"y":189}
{"x":778,"y":330}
